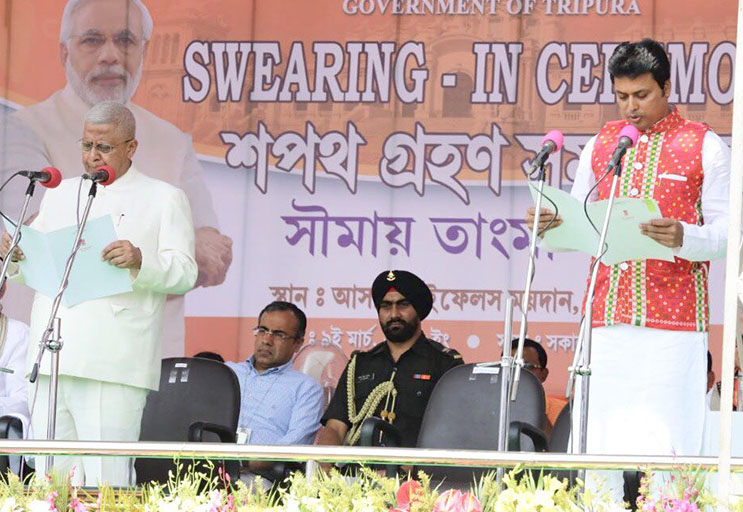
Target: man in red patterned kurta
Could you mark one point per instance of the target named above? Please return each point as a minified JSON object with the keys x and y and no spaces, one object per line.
{"x":650,"y":317}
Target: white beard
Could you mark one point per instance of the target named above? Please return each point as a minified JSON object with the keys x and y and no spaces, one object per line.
{"x":93,"y":96}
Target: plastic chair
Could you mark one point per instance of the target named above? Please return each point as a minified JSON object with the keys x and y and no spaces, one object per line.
{"x":463,"y":413}
{"x":198,"y":400}
{"x":561,"y":432}
{"x":10,"y":428}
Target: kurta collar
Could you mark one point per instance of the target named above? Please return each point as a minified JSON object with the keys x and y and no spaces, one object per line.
{"x":125,"y":180}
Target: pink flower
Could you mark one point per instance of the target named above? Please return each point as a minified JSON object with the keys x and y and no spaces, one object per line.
{"x":676,"y":505}
{"x":450,"y":501}
{"x":455,"y":501}
{"x":470,"y":503}
{"x":407,"y":494}
{"x":230,"y":503}
{"x":77,"y":506}
{"x":50,"y":499}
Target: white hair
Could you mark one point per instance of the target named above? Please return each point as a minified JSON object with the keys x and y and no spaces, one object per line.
{"x":115,"y":113}
{"x":65,"y":30}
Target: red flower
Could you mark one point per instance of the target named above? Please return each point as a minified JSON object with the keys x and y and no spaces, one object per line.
{"x":406,"y":495}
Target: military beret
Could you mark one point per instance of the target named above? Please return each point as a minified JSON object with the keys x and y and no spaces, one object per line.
{"x":408,"y":285}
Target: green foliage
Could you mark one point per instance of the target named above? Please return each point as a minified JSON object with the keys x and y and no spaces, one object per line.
{"x":189,"y":490}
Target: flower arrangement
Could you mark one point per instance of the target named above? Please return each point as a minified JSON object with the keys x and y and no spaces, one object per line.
{"x":684,"y":491}
{"x":191,"y":491}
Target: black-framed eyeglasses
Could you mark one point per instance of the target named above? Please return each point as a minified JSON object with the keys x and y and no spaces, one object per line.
{"x":101,"y":147}
{"x":262,"y":332}
{"x":532,"y":366}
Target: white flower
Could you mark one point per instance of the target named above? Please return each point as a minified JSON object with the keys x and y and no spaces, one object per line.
{"x":38,"y":506}
{"x":292,"y":505}
{"x":204,"y":507}
{"x":364,"y":504}
{"x":544,"y":499}
{"x":9,"y":505}
{"x":188,"y":505}
{"x":525,"y":506}
{"x":168,"y":505}
{"x":312,"y":504}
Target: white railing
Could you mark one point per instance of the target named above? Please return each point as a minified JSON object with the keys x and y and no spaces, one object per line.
{"x":367,"y":455}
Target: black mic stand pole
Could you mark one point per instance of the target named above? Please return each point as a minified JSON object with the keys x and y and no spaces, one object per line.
{"x":51,"y":339}
{"x":17,"y":232}
{"x":581,"y":367}
{"x":518,"y":361}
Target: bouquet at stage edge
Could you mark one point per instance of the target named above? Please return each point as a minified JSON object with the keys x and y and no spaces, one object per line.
{"x":684,"y":491}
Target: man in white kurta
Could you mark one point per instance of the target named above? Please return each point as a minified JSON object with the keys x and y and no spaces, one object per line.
{"x":13,"y":385}
{"x":106,"y":64}
{"x":111,"y":353}
{"x":650,"y":317}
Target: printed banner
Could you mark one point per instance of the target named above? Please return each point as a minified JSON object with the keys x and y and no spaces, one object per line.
{"x":323,"y":142}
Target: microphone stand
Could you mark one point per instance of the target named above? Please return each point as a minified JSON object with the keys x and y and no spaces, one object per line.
{"x":51,"y":339}
{"x":506,"y":365}
{"x":519,"y":360}
{"x":17,"y":232}
{"x":581,"y":367}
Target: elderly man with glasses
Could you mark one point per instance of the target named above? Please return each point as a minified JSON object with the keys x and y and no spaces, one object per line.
{"x":279,"y":405}
{"x":111,"y":354}
{"x":102,"y":47}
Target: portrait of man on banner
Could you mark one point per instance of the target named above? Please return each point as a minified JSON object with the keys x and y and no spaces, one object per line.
{"x":102,"y":47}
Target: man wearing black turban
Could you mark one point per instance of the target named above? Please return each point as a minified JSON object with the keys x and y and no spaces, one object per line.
{"x":393,"y":380}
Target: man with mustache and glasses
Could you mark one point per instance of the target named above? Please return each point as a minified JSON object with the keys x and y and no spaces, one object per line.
{"x":278,"y":404}
{"x":102,"y":46}
{"x":393,"y":380}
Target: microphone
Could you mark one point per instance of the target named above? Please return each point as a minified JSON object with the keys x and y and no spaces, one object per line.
{"x":49,"y":177}
{"x":105,"y":175}
{"x":627,"y":138}
{"x":550,"y":143}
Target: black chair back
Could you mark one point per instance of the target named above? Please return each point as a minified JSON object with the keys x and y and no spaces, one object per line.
{"x":561,"y":431}
{"x":463,"y":413}
{"x":10,"y":428}
{"x":196,"y":398}
{"x":559,"y":442}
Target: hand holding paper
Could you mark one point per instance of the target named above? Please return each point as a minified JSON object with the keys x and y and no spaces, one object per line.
{"x":123,"y":254}
{"x":91,"y":278}
{"x":625,"y":239}
{"x":668,"y":232}
{"x":546,"y":218}
{"x":5,"y":245}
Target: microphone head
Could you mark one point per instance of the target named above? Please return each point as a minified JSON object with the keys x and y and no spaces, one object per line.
{"x":110,"y":172}
{"x":631,"y":133}
{"x":555,"y":137}
{"x":55,"y":177}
